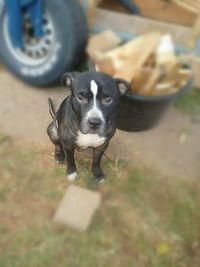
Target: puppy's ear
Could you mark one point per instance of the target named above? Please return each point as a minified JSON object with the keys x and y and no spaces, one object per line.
{"x":123,"y":86}
{"x":67,"y":80}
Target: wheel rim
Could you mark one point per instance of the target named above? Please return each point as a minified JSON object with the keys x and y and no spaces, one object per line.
{"x":35,"y":51}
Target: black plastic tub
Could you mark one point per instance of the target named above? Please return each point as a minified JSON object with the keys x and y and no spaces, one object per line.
{"x":140,"y":113}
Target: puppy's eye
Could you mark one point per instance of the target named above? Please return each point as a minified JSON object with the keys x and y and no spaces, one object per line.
{"x":107,"y":100}
{"x":81,"y":99}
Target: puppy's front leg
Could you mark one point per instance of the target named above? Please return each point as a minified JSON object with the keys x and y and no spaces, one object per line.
{"x":97,"y":155}
{"x":71,"y":165}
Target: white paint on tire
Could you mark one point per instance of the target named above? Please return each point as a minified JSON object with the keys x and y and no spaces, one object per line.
{"x":40,"y":71}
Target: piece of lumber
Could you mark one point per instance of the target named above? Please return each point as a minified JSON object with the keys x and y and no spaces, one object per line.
{"x":190,"y":5}
{"x":100,"y":43}
{"x":183,"y":75}
{"x":195,"y":33}
{"x":174,"y":82}
{"x":165,"y":11}
{"x":169,"y":75}
{"x":131,"y":68}
{"x":167,"y":91}
{"x":162,"y":10}
{"x":165,"y":53}
{"x":167,"y":88}
{"x":113,"y":5}
{"x":150,"y":85}
{"x":142,"y":79}
{"x":164,"y":86}
{"x":195,"y":71}
{"x":124,"y":51}
{"x":106,"y":65}
{"x":120,"y":54}
{"x":114,"y":59}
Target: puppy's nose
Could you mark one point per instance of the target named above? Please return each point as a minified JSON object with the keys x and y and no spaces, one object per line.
{"x":94,"y":123}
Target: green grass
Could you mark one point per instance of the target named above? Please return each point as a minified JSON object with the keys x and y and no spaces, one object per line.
{"x":190,"y":102}
{"x":144,"y":220}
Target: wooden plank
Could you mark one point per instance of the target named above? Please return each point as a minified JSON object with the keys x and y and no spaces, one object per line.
{"x":165,"y":11}
{"x":114,"y":5}
{"x":191,"y":5}
{"x":196,"y":68}
{"x":135,"y":25}
{"x":156,"y":9}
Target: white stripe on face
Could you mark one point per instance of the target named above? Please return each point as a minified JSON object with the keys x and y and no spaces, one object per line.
{"x":95,"y":111}
{"x":94,"y":89}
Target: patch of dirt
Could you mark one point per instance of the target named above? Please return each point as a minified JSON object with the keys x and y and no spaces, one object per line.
{"x":26,"y":211}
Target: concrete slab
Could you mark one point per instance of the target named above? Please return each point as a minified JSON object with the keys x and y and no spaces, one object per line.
{"x":77,"y":208}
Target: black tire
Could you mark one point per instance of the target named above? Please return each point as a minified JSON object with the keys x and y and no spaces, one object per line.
{"x":70,"y":32}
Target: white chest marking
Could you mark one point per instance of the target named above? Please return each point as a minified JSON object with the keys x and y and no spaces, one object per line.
{"x":89,"y":140}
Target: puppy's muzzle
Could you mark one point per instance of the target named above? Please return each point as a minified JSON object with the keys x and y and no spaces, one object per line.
{"x":94,"y":123}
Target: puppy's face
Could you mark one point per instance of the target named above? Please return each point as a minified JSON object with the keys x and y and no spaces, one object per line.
{"x":94,"y":99}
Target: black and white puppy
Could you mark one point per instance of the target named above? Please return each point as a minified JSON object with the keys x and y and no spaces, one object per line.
{"x":86,"y":118}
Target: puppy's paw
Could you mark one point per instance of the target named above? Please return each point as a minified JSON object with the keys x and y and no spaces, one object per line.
{"x":59,"y":158}
{"x":99,"y":176}
{"x":72,"y":176}
{"x":100,"y":180}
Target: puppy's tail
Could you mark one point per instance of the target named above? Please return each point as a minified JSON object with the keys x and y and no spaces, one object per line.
{"x":51,"y":108}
